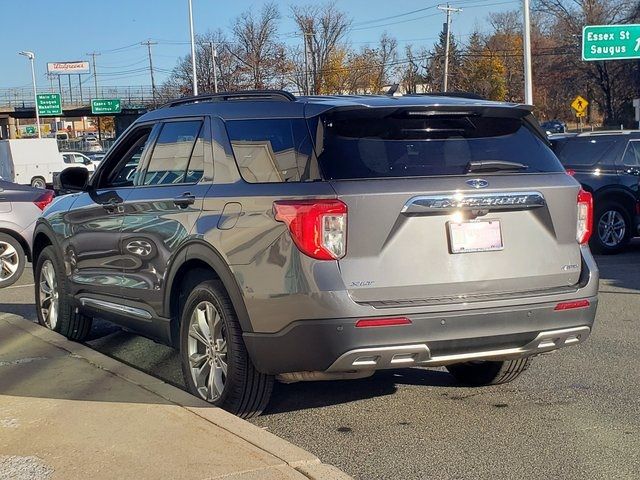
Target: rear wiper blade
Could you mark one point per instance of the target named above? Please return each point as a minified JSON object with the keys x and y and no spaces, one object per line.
{"x":494,"y":166}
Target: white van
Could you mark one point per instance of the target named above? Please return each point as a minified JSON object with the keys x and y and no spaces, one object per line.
{"x":30,"y":161}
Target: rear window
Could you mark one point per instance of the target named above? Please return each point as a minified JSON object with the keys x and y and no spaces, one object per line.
{"x":356,"y":144}
{"x":583,"y":151}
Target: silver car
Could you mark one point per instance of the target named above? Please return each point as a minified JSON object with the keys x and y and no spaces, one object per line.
{"x":20,"y":206}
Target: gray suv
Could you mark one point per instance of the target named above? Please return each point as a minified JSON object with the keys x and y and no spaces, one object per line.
{"x":265,"y":236}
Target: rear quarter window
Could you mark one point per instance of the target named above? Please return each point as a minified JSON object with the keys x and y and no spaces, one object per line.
{"x":273,"y":150}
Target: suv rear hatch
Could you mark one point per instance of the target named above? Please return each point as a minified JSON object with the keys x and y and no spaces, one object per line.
{"x":448,"y":205}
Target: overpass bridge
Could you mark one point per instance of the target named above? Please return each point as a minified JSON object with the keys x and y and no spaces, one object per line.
{"x":18,"y":103}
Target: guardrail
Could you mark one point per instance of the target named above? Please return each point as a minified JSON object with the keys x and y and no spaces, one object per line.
{"x":131,"y":96}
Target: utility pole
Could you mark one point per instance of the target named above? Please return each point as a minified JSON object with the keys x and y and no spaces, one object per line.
{"x":306,"y":36}
{"x":448,"y":10}
{"x":148,"y":43}
{"x":526,"y":44}
{"x":93,"y":56}
{"x":214,"y":55}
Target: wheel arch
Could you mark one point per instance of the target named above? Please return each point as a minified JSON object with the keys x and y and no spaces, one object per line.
{"x":624,"y":197}
{"x":196,"y":262}
{"x":42,"y":238}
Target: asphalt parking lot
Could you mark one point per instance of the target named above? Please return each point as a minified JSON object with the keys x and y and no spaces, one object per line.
{"x":574,"y":414}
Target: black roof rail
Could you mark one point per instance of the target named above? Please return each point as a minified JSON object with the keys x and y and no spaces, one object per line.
{"x":239,"y":95}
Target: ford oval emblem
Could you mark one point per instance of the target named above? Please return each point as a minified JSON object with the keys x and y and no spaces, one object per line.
{"x":477,"y":183}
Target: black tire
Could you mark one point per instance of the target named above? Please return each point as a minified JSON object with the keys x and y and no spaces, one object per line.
{"x":12,"y":260}
{"x":607,"y":246}
{"x":38,"y":182}
{"x":488,"y":372}
{"x":246,"y":391}
{"x":73,"y":325}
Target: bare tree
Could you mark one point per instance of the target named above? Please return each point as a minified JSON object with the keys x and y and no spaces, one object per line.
{"x":322,"y":27}
{"x":258,"y":49}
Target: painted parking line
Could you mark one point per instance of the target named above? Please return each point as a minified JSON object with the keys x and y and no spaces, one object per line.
{"x":18,"y":286}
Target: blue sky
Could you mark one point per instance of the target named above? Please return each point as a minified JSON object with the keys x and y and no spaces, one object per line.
{"x":68,"y":29}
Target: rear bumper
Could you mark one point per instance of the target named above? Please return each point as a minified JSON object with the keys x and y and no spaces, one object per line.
{"x":431,"y":339}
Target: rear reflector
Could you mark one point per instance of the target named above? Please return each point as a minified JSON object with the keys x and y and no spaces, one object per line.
{"x":43,"y":200}
{"x":572,"y":305}
{"x":382,"y":322}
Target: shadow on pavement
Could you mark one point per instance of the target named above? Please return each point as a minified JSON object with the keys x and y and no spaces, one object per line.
{"x":621,"y":270}
{"x":25,"y":310}
{"x":304,"y":395}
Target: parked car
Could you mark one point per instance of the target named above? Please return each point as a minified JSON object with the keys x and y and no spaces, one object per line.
{"x":553,"y":126}
{"x":266,"y":235}
{"x":79,"y":159}
{"x":96,"y":157}
{"x":607,"y":164}
{"x":20,"y":206}
{"x":91,"y":144}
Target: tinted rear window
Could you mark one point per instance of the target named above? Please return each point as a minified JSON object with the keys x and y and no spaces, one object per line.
{"x":583,"y":151}
{"x":356,"y":144}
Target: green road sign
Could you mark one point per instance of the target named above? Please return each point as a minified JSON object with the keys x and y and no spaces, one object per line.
{"x":49,"y":104}
{"x":105,"y":107}
{"x":610,"y":42}
{"x":30,"y":130}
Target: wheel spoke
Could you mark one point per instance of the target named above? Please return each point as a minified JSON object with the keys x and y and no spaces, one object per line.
{"x":10,"y":267}
{"x":197,"y":359}
{"x":218,"y":381}
{"x":222,"y":359}
{"x":215,"y":322}
{"x":8,"y":251}
{"x":203,"y":324}
{"x":202,"y":376}
{"x":195,"y":333}
{"x":211,"y":384}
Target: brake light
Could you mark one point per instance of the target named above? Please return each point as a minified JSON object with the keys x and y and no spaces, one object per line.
{"x":585,"y":217}
{"x":571,"y":172}
{"x":572,"y":305}
{"x":382,"y":322}
{"x":43,"y":200}
{"x":317,"y":227}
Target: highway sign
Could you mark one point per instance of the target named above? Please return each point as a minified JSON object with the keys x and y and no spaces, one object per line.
{"x":105,"y":106}
{"x":49,"y":104}
{"x":611,"y":42}
{"x":580,"y":104}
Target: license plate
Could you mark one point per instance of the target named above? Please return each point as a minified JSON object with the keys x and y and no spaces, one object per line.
{"x":476,"y":236}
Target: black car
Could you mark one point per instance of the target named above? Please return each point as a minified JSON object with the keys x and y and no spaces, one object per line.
{"x":607,"y":164}
{"x":553,"y":126}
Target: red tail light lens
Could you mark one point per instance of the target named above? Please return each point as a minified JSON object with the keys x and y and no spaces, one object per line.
{"x":570,"y":171}
{"x":318,"y":227}
{"x":382,"y":322}
{"x":43,"y":200}
{"x":572,"y":305}
{"x":585,"y":217}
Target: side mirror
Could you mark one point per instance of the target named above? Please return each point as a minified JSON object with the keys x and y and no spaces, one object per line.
{"x":71,"y":179}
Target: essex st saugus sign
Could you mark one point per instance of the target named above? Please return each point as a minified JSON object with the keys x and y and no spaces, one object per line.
{"x":611,"y":42}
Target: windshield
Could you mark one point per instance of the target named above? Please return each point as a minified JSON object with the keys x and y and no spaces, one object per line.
{"x":356,"y":144}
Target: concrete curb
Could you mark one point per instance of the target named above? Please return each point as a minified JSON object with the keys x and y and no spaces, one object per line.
{"x":295,"y":457}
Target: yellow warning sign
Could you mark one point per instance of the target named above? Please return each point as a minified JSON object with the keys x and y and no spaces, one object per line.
{"x":581,"y":114}
{"x":580,"y":104}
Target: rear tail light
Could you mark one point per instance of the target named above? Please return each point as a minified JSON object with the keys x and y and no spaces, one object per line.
{"x":585,"y":217}
{"x":43,"y":200}
{"x":382,"y":322}
{"x":571,"y":172}
{"x":572,"y":305}
{"x":318,"y":227}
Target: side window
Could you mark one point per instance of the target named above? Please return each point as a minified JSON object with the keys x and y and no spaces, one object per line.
{"x":632,"y":155}
{"x":124,"y":162}
{"x":272,"y":151}
{"x":172,"y":152}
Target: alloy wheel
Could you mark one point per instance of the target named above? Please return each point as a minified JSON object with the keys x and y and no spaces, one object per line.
{"x":207,"y":351}
{"x":9,"y":261}
{"x":611,"y":228}
{"x":48,"y":286}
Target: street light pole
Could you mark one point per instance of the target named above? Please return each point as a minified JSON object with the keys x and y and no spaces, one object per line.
{"x":31,"y":56}
{"x":526,"y":45}
{"x":193,"y":51}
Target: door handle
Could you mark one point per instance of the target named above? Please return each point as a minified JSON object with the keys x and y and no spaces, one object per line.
{"x":185,"y":200}
{"x":112,"y":206}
